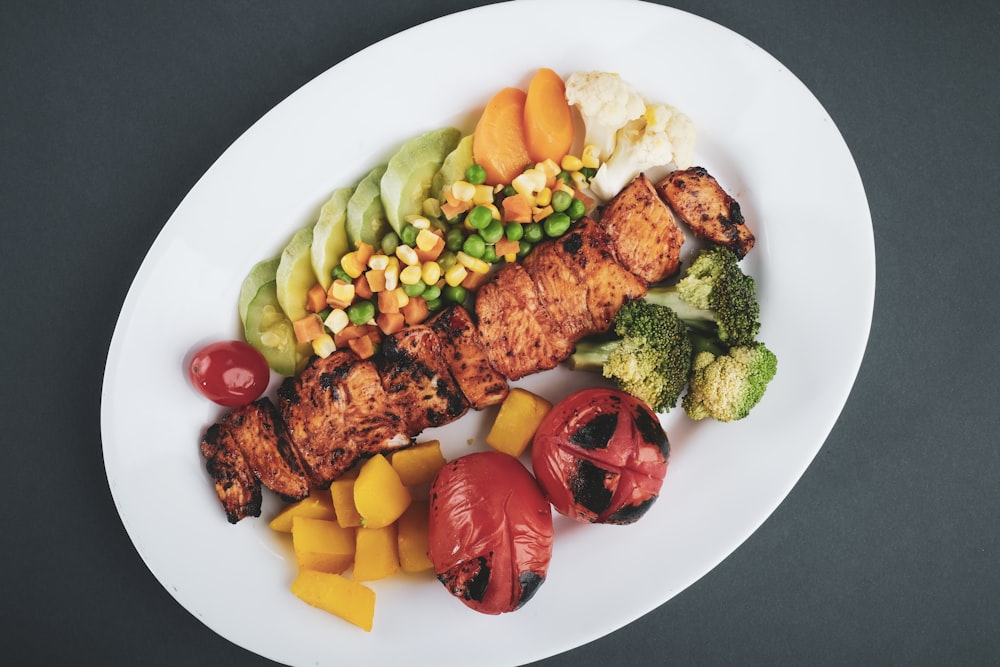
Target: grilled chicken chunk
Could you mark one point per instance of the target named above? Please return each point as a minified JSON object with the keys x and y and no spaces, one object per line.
{"x":646,"y":236}
{"x":701,"y":203}
{"x":259,"y":432}
{"x":520,"y":336}
{"x":235,"y":484}
{"x":464,"y":353}
{"x":336,"y":412}
{"x":608,"y":284}
{"x":417,"y":380}
{"x":561,"y":287}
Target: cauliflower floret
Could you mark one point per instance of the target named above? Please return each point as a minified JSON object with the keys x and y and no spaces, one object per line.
{"x":660,"y":136}
{"x":606,"y":103}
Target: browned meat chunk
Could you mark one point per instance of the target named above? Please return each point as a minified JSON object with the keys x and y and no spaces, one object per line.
{"x":235,"y":484}
{"x":259,"y":432}
{"x":464,"y":353}
{"x":336,"y":412}
{"x":607,"y":283}
{"x":561,"y":288}
{"x":645,"y":234}
{"x":417,"y":380}
{"x":701,"y":203}
{"x":519,"y":334}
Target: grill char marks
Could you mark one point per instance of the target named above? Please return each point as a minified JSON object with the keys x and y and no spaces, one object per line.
{"x":701,"y":203}
{"x":463,"y":352}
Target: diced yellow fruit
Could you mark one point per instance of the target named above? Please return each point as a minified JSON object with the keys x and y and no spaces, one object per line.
{"x":317,"y":505}
{"x":350,"y":600}
{"x":519,"y":416}
{"x":322,"y":545}
{"x":342,"y":495}
{"x":376,"y":555}
{"x":411,"y":538}
{"x":418,"y":464}
{"x":379,"y":494}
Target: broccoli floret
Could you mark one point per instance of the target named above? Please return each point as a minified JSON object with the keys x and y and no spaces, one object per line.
{"x":649,"y":357}
{"x":726,"y":386}
{"x":714,"y":289}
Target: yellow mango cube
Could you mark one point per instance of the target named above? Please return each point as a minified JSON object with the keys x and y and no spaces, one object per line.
{"x":317,"y":505}
{"x":322,"y":545}
{"x":376,"y":555}
{"x":418,"y":464}
{"x":411,"y":538}
{"x":352,"y":601}
{"x":342,"y":495}
{"x":517,"y":420}
{"x":379,"y":494}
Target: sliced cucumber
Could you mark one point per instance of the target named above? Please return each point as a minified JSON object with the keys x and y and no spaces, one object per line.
{"x":407,"y":179}
{"x":262,"y":272}
{"x":329,"y":242}
{"x":270,"y":331}
{"x":453,"y":168}
{"x":295,"y":275}
{"x":366,"y":221}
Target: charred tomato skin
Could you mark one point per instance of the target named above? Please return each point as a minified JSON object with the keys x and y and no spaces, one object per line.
{"x":490,"y":531}
{"x":229,"y":372}
{"x":600,"y":456}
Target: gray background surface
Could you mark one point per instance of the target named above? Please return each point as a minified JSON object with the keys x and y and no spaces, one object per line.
{"x":884,"y":553}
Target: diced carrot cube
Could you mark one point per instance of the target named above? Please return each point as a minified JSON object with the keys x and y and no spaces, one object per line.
{"x":415,"y":311}
{"x":387,"y":302}
{"x":376,"y":280}
{"x":316,"y":298}
{"x":517,"y":208}
{"x":474,"y":280}
{"x":540,"y":213}
{"x":308,"y":328}
{"x":390,"y":323}
{"x":505,"y":246}
{"x":453,"y":210}
{"x":364,"y":347}
{"x":365,"y":251}
{"x":362,"y":289}
{"x":433,"y":253}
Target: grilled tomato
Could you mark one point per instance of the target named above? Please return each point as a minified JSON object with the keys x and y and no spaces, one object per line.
{"x":600,"y":456}
{"x":490,"y":531}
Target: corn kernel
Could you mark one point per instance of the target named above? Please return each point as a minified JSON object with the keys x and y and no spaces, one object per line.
{"x":455,"y":275}
{"x":341,"y":292}
{"x":324,"y":345}
{"x":484,"y":195}
{"x":579,"y":180}
{"x":591,"y":157}
{"x":378,"y":262}
{"x":402,"y":298}
{"x":463,"y":191}
{"x":392,"y":274}
{"x":544,"y":197}
{"x":510,"y":257}
{"x":565,"y":187}
{"x":430,"y":272}
{"x":529,"y":181}
{"x":571,"y":163}
{"x":337,"y":320}
{"x":419,"y":222}
{"x":495,"y":211}
{"x":431,"y":207}
{"x":407,"y":255}
{"x":427,"y":240}
{"x":410,"y":275}
{"x":352,"y":264}
{"x":471,"y":263}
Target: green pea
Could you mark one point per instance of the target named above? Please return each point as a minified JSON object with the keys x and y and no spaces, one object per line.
{"x":524,"y":249}
{"x":361,"y":312}
{"x":415,"y":289}
{"x":454,"y":293}
{"x":533,"y":232}
{"x":490,"y":255}
{"x":475,"y":174}
{"x":556,"y":224}
{"x":492,"y":232}
{"x":433,"y":304}
{"x":514,"y":231}
{"x":576,"y":209}
{"x":474,"y":245}
{"x":447,"y":259}
{"x":588,"y":172}
{"x":408,"y":235}
{"x":479,"y":217}
{"x":432,"y":292}
{"x":338,"y":273}
{"x":453,"y":238}
{"x":509,"y":191}
{"x":564,"y":177}
{"x":561,"y":200}
{"x":389,"y":243}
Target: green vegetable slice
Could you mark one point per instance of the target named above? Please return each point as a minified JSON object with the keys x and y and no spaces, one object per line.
{"x":453,"y":168}
{"x":407,"y":179}
{"x":295,"y":275}
{"x":366,"y":220}
{"x":262,"y":273}
{"x":270,"y":331}
{"x":329,"y":242}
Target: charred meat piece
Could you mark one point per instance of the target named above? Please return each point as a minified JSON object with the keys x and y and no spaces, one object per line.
{"x":235,"y":484}
{"x":518,"y":332}
{"x":646,"y":236}
{"x":701,"y":203}
{"x":259,"y":432}
{"x":417,"y":380}
{"x":561,"y":288}
{"x":464,"y":353}
{"x":336,"y":412}
{"x":590,"y":252}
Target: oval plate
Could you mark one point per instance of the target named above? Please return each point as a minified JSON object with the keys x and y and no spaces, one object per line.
{"x":761,"y":133}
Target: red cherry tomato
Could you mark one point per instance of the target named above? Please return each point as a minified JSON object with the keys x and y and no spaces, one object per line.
{"x":230,"y":373}
{"x":600,"y":456}
{"x":490,"y":531}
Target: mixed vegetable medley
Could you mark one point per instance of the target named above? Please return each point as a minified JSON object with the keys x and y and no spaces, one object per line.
{"x":422,"y":233}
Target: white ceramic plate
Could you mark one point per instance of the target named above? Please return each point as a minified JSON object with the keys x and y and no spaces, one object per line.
{"x":761,"y":133}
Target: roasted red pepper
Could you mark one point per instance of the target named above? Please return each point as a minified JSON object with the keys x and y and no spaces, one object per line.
{"x":490,"y":531}
{"x":600,"y":456}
